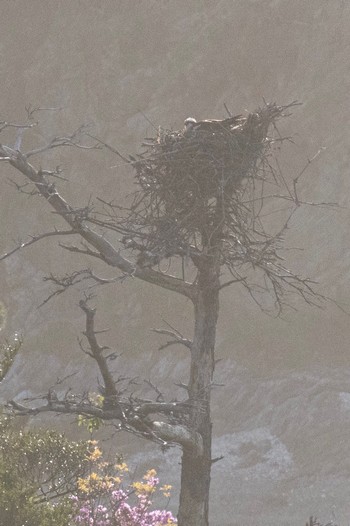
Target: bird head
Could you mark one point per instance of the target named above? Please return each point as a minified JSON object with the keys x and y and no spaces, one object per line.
{"x":189,"y":124}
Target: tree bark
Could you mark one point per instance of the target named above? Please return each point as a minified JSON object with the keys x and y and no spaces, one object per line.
{"x":195,"y":475}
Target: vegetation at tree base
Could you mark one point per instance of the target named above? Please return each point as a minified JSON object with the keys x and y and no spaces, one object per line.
{"x":105,"y":499}
{"x":38,"y":470}
{"x":8,"y":352}
{"x":47,"y":480}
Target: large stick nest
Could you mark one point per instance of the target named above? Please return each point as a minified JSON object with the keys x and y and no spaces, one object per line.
{"x":192,"y":182}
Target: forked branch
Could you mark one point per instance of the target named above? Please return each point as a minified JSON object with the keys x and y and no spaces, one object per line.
{"x":110,"y":254}
{"x":134,"y":415}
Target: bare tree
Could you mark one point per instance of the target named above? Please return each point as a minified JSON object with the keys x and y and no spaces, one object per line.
{"x":202,"y":195}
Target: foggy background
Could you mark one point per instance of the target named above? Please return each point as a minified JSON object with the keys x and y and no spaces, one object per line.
{"x":282,"y":419}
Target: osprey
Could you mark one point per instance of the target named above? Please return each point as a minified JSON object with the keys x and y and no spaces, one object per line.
{"x":192,"y":124}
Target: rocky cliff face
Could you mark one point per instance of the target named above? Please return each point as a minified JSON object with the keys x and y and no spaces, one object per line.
{"x":282,"y":420}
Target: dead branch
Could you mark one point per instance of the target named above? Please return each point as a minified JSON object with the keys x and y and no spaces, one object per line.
{"x":5,"y":124}
{"x":132,"y":417}
{"x":97,"y":351}
{"x":134,"y":414}
{"x":31,"y":110}
{"x":108,"y":252}
{"x":36,"y":238}
{"x":86,"y":252}
{"x":177,"y":339}
{"x":65,"y":282}
{"x":231,"y":282}
{"x":72,"y":140}
{"x":109,"y":147}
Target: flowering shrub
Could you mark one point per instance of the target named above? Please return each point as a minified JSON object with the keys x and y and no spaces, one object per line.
{"x":37,"y":470}
{"x":104,"y":500}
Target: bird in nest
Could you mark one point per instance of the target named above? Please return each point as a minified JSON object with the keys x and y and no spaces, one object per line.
{"x":212,"y":125}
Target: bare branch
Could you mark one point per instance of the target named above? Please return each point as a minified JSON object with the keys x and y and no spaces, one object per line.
{"x":36,"y":238}
{"x":111,"y":148}
{"x":231,"y":282}
{"x":69,"y":280}
{"x":58,"y":142}
{"x":105,"y":281}
{"x":97,"y":350}
{"x":133,"y":418}
{"x":160,"y":397}
{"x":133,"y":414}
{"x":296,"y":179}
{"x":163,"y":407}
{"x":227,"y":110}
{"x":65,"y":408}
{"x":65,"y":282}
{"x":31,"y":110}
{"x":109,"y":253}
{"x":86,"y":252}
{"x":177,"y":339}
{"x":5,"y":124}
{"x":54,"y":173}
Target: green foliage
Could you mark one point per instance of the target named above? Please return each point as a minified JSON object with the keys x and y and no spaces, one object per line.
{"x":18,"y":509}
{"x":37,"y":469}
{"x":91,"y":424}
{"x":8,"y":352}
{"x":3,"y":315}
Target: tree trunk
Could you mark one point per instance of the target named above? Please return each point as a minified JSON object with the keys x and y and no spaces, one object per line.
{"x":195,"y":475}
